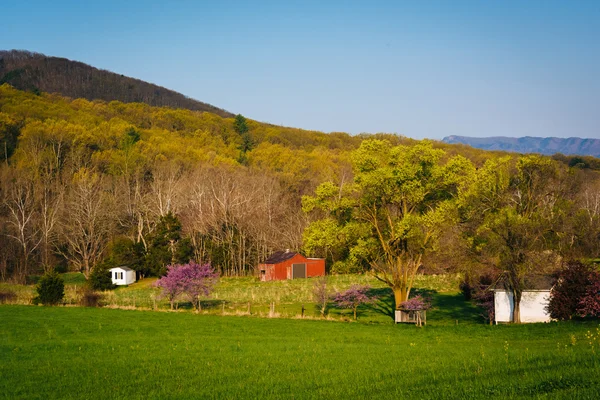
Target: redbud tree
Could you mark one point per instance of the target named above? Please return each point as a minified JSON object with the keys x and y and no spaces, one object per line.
{"x":353,"y":297}
{"x":192,"y":280}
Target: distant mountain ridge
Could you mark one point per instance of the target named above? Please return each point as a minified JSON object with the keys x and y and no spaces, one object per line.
{"x":528,"y":144}
{"x":36,"y":72}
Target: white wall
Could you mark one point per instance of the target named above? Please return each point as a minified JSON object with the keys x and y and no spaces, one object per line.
{"x":128,"y":276}
{"x":533,"y":306}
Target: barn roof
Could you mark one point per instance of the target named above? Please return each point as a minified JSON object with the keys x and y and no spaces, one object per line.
{"x":279,"y":256}
{"x":533,"y":282}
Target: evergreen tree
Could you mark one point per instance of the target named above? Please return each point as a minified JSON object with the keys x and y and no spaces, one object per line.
{"x":167,"y":246}
{"x":240,"y":125}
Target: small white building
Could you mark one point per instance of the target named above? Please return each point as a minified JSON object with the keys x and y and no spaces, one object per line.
{"x":534,"y":301}
{"x":122,"y":275}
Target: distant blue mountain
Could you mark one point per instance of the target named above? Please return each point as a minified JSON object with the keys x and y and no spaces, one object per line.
{"x":528,"y":144}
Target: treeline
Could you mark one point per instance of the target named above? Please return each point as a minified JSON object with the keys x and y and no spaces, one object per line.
{"x":39,"y":73}
{"x":86,"y":185}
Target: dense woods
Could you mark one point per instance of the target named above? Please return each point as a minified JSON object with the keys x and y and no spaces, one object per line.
{"x":38,"y":73}
{"x":87,"y":185}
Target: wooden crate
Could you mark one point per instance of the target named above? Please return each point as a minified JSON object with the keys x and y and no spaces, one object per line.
{"x":418,"y":317}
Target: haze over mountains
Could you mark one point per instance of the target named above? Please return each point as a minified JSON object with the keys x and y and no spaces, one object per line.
{"x":30,"y":71}
{"x":527,"y":144}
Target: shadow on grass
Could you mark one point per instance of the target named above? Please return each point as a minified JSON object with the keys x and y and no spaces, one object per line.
{"x":446,"y":307}
{"x":452,"y":307}
{"x":386,"y":304}
{"x":204,"y":304}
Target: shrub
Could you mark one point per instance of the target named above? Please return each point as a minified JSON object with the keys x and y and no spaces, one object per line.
{"x":466,"y":289}
{"x":485,"y":300}
{"x":90,"y":299}
{"x":571,"y":286}
{"x":100,"y":279}
{"x":321,"y":294}
{"x":7,"y":296}
{"x":589,"y":305}
{"x":472,"y":286}
{"x":51,"y":289}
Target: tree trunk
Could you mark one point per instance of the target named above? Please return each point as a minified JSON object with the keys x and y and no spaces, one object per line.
{"x":400,"y":295}
{"x":355,"y":313}
{"x":517,"y":308}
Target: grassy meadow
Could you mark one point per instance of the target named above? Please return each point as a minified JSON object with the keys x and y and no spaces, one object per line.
{"x":91,"y":353}
{"x":235,"y":296}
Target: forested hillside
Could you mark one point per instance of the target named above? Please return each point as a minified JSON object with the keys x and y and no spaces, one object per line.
{"x":36,"y":72}
{"x":80,"y":178}
{"x":85,"y":185}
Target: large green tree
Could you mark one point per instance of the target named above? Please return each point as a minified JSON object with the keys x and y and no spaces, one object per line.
{"x":395,"y":209}
{"x":514,"y":210}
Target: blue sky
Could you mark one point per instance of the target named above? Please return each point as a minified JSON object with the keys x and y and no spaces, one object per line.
{"x":417,"y":68}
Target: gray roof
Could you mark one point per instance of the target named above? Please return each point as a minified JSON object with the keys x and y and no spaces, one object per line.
{"x":279,"y":256}
{"x":123,"y":268}
{"x":532,"y":282}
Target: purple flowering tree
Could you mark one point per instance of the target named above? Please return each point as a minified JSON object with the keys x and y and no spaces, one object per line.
{"x":170,"y":284}
{"x":191,"y":279}
{"x":416,"y":303}
{"x":353,"y":297}
{"x":197,"y":280}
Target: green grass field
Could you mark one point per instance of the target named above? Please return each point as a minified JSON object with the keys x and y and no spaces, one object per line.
{"x":91,"y":353}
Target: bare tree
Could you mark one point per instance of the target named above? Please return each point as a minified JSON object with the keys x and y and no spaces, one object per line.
{"x":165,"y":189}
{"x":240,"y":215}
{"x":50,"y":198}
{"x":20,"y":203}
{"x":88,"y":220}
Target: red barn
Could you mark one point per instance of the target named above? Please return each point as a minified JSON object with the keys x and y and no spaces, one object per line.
{"x":283,"y":265}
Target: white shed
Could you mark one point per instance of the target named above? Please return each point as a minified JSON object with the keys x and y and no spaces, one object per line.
{"x":534,"y":301}
{"x":122,"y":275}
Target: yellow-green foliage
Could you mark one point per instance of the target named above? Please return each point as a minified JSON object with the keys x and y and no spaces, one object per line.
{"x":49,"y":121}
{"x":52,"y":126}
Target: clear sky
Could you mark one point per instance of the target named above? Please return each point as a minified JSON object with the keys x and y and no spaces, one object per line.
{"x":417,"y":68}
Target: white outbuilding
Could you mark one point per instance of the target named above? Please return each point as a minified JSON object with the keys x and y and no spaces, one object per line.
{"x":534,"y":301}
{"x":122,"y":275}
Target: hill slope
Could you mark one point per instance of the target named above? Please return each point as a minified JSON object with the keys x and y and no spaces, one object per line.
{"x":528,"y":144}
{"x":36,"y":72}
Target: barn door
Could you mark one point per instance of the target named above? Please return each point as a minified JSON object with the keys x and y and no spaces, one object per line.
{"x":298,"y":271}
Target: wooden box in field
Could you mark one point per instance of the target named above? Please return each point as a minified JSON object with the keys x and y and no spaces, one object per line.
{"x":418,"y":317}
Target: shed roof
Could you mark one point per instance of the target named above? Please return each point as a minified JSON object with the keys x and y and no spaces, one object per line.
{"x":279,"y":256}
{"x":123,"y":268}
{"x":533,"y":282}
